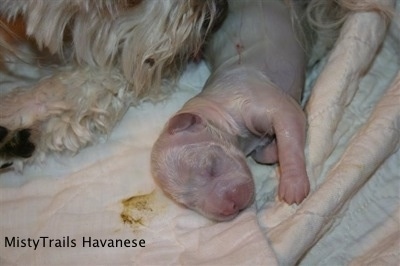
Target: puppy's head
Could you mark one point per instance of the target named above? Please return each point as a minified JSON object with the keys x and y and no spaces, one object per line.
{"x":198,"y":167}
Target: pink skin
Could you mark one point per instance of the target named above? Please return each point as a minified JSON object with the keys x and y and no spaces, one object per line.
{"x":249,"y":106}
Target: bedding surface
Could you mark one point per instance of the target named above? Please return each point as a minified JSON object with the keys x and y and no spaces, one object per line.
{"x":101,"y":206}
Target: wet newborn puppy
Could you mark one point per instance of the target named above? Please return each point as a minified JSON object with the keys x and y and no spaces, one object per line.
{"x":249,"y":106}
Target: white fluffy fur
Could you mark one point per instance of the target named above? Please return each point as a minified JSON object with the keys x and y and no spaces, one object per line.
{"x":119,"y":33}
{"x":112,"y":54}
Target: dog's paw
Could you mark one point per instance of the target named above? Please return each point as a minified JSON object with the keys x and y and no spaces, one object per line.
{"x":15,"y":144}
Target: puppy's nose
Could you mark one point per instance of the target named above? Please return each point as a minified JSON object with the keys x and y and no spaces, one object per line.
{"x":229,"y":208}
{"x":237,"y":198}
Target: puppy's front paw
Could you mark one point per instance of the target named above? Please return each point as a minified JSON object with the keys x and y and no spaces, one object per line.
{"x":294,"y":189}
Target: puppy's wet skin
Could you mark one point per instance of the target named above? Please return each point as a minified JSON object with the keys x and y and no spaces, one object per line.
{"x":248,"y":107}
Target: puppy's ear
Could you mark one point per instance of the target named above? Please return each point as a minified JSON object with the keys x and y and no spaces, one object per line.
{"x":185,"y":122}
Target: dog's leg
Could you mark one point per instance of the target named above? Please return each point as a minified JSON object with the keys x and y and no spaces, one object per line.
{"x":64,"y":112}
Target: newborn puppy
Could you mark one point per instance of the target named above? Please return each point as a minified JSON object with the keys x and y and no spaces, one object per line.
{"x":249,"y":106}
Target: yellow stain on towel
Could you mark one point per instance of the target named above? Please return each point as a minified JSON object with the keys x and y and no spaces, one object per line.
{"x":138,"y":211}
